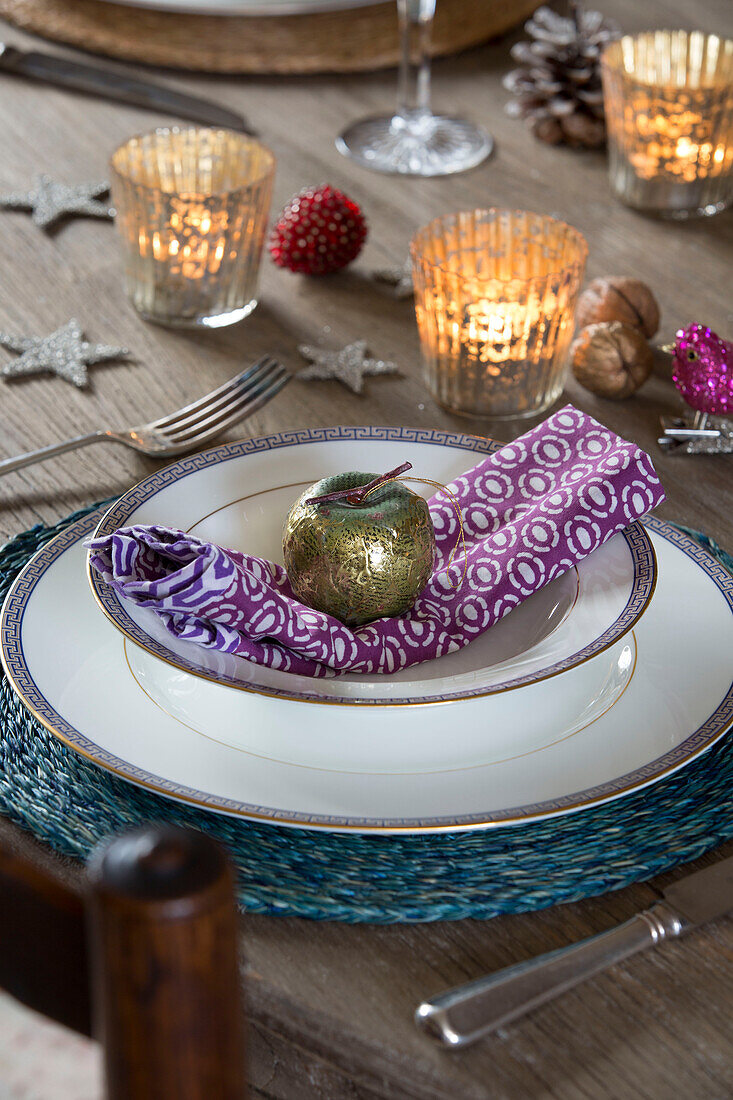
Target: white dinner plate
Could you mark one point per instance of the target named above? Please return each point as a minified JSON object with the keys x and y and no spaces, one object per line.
{"x":642,"y":708}
{"x":238,"y":496}
{"x":248,"y":7}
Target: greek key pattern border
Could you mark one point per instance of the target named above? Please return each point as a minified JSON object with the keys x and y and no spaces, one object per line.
{"x":640,"y":548}
{"x":11,"y":622}
{"x":152,"y":484}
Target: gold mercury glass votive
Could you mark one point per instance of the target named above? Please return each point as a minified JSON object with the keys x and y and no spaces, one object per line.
{"x":192,"y":208}
{"x":668,"y":99}
{"x":495,"y":294}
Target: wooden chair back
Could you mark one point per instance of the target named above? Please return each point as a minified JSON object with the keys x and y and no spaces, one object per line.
{"x":145,"y":960}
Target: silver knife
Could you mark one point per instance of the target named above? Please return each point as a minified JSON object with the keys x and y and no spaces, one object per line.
{"x":466,"y":1013}
{"x":114,"y":84}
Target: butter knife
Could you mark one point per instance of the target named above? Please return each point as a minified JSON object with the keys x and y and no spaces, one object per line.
{"x":462,"y":1015}
{"x":117,"y":85}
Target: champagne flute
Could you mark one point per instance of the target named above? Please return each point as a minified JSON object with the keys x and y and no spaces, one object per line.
{"x":414,"y":141}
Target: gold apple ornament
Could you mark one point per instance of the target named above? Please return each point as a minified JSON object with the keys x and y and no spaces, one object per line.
{"x":359,"y":546}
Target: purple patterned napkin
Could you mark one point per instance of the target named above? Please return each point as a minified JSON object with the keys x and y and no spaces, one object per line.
{"x":530,"y":511}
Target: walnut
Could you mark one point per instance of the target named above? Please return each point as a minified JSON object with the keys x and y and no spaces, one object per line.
{"x":616,"y":298}
{"x":611,"y":359}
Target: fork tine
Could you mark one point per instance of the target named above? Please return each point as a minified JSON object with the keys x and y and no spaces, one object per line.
{"x":237,"y":407}
{"x":167,"y":421}
{"x":234,"y":393}
{"x":255,"y":404}
{"x":237,"y":412}
{"x":232,"y":386}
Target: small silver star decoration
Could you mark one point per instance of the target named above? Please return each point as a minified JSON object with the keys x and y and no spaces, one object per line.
{"x":64,"y":353}
{"x":49,"y":201}
{"x":347,"y":365}
{"x":398,"y":277}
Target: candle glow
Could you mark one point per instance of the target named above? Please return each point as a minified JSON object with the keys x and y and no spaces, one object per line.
{"x":192,"y":214}
{"x":496,"y":317}
{"x":669,"y":112}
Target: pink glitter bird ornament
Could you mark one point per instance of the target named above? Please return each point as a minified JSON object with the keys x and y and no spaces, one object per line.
{"x":703,"y":370}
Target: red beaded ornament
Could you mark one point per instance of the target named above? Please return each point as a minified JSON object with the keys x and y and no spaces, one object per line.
{"x":320,"y":230}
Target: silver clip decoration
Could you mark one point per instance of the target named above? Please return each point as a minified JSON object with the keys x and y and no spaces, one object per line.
{"x":703,"y":435}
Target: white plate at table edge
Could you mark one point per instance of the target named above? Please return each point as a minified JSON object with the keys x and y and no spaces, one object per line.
{"x":246,"y":8}
{"x":694,"y":743}
{"x":643,"y":570}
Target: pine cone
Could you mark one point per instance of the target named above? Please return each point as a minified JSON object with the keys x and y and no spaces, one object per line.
{"x":558,"y":87}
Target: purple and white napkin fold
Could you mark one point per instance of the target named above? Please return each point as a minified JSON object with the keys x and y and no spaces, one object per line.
{"x":530,"y":511}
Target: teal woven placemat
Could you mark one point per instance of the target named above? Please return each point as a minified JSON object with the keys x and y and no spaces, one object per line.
{"x":71,"y":804}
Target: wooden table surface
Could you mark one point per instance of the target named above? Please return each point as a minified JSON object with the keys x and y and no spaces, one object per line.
{"x":332,"y":1005}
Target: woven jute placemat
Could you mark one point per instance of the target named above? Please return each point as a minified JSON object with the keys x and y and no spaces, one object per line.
{"x":336,"y":41}
{"x":71,"y":805}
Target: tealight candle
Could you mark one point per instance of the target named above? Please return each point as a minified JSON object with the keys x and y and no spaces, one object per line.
{"x":495,"y":294}
{"x":192,"y":207}
{"x":668,"y":99}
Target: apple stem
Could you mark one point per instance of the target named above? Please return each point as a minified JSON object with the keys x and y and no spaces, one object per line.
{"x":360,"y":492}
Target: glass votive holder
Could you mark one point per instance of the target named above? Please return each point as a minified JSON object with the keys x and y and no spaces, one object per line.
{"x":192,"y":208}
{"x":668,"y":99}
{"x":495,"y":294}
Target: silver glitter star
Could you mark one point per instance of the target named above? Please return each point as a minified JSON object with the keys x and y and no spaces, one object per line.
{"x":348,"y":365}
{"x":398,"y":277}
{"x":64,"y":352}
{"x":49,"y":201}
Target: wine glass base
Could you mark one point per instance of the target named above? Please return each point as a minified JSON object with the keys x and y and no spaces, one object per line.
{"x":429,"y":145}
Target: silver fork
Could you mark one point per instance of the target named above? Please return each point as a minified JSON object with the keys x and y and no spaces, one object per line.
{"x":189,"y":427}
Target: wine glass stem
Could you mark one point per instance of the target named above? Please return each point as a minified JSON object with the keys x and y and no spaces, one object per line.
{"x":416,"y":25}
